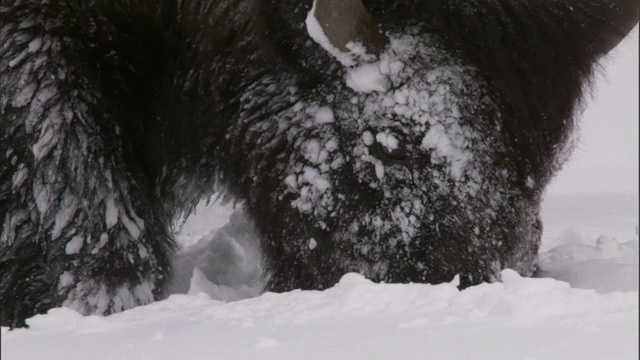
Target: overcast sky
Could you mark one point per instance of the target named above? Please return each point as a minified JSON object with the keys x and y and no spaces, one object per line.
{"x":606,"y":159}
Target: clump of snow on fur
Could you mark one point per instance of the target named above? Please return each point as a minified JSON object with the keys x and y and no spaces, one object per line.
{"x":447,"y":144}
{"x":35,"y":45}
{"x":111,"y":212}
{"x":428,"y":101}
{"x":311,"y":184}
{"x":74,"y":245}
{"x":367,"y":137}
{"x":367,"y":78}
{"x":324,"y":115}
{"x":19,"y":176}
{"x":379,"y":168}
{"x":387,"y":140}
{"x":104,"y":238}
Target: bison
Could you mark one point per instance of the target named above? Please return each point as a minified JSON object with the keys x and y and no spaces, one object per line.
{"x":406,"y":140}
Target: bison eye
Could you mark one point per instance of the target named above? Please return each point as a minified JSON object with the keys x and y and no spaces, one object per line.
{"x":391,"y":146}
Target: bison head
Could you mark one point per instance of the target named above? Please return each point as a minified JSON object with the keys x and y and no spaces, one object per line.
{"x":395,"y":168}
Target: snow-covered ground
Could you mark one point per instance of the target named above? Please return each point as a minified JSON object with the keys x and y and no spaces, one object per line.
{"x":520,"y":318}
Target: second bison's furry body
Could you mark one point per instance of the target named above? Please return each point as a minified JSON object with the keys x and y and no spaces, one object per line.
{"x":115,"y":116}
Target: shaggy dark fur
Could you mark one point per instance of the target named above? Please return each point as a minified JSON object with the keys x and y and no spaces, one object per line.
{"x":116,"y":115}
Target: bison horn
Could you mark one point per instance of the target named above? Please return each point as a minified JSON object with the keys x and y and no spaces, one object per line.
{"x":345,"y":21}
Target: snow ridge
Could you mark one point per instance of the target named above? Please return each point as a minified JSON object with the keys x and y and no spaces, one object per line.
{"x":519,"y":318}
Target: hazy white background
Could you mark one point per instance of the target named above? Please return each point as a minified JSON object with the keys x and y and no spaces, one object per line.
{"x":606,"y":159}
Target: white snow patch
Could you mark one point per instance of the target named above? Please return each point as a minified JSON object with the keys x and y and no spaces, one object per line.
{"x":291,"y":181}
{"x":35,"y":45}
{"x":379,"y":168}
{"x":19,"y":176}
{"x":142,"y":252}
{"x":24,"y":96}
{"x":445,"y":146}
{"x":65,"y":280}
{"x":42,"y":195}
{"x":227,"y":259}
{"x":312,"y":176}
{"x":74,"y":245}
{"x":110,"y":212}
{"x":15,"y":61}
{"x":387,"y":140}
{"x":48,"y":138}
{"x":324,"y":115}
{"x":367,"y":78}
{"x":64,"y":216}
{"x":368,"y":138}
{"x":133,"y":228}
{"x":104,"y":238}
{"x":312,"y":150}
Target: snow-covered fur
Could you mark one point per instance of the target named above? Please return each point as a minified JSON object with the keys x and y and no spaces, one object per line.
{"x":426,"y":162}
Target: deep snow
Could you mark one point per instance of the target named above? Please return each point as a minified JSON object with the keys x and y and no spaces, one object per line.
{"x":520,"y":318}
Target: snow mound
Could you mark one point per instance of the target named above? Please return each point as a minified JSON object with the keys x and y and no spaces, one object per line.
{"x":607,"y":266}
{"x":517,"y":319}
